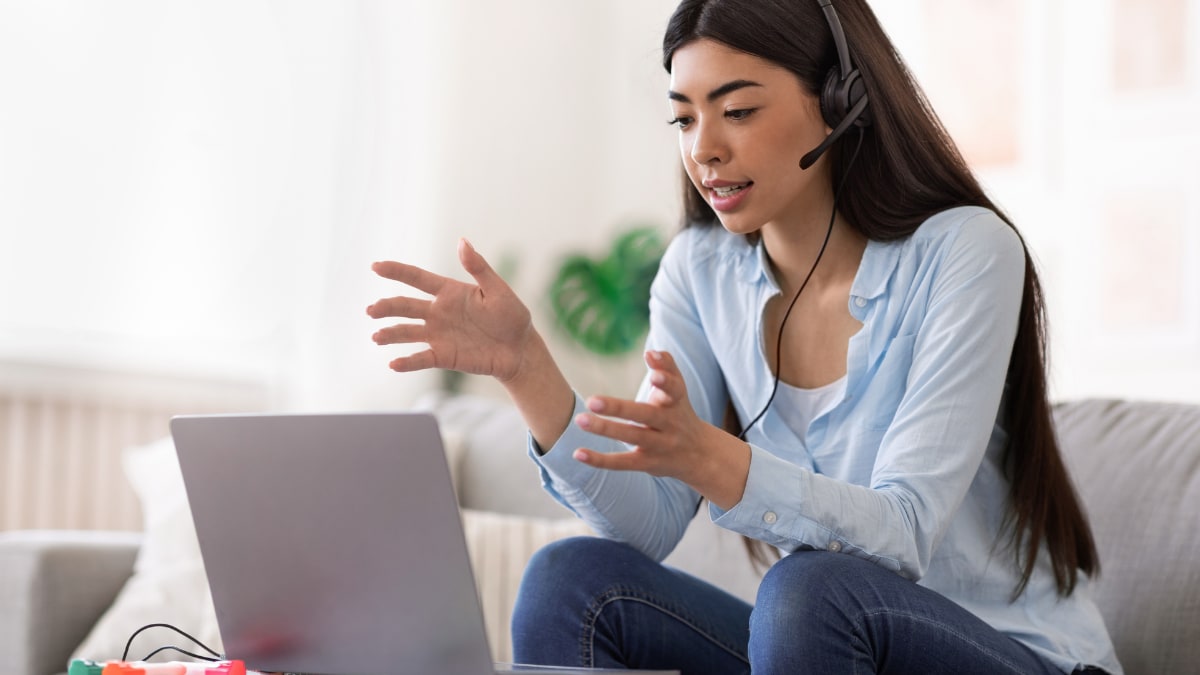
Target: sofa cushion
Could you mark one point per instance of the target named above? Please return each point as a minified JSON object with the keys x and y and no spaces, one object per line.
{"x":1137,"y":468}
{"x":53,"y":586}
{"x":494,"y":473}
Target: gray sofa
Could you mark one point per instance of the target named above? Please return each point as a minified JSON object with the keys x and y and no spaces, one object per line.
{"x":1137,"y":466}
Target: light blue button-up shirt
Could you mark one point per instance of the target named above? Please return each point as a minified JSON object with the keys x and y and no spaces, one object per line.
{"x":903,"y":471}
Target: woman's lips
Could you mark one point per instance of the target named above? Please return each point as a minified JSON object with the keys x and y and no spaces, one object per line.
{"x":729,"y":196}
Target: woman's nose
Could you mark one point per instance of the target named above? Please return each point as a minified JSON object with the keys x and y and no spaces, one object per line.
{"x":707,"y":145}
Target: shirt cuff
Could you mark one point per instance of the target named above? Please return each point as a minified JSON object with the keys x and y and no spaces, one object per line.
{"x":771,"y":508}
{"x":561,"y":473}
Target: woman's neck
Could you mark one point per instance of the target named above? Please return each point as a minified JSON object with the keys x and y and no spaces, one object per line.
{"x":792,"y":251}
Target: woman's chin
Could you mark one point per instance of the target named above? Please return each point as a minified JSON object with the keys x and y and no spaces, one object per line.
{"x":738,"y":225}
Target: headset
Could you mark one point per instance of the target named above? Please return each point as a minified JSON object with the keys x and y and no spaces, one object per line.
{"x":843,"y":105}
{"x":844,"y":97}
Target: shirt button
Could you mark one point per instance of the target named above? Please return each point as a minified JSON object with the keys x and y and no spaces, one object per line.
{"x":835,"y":547}
{"x":769,"y":517}
{"x":860,"y":302}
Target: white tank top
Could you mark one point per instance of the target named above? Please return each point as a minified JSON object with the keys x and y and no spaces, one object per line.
{"x":799,"y":407}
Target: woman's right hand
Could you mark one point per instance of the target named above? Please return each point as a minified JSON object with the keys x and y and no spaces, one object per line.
{"x":483,"y":329}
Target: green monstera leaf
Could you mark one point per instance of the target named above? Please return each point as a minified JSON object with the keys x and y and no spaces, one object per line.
{"x":604,"y":305}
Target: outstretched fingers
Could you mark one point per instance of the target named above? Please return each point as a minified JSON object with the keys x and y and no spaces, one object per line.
{"x":420,"y":279}
{"x":413,"y":362}
{"x":403,"y":306}
{"x":657,"y":428}
{"x":632,"y":460}
{"x":669,"y":387}
{"x":401,"y":333}
{"x":636,"y":431}
{"x":478,"y":267}
{"x":626,"y":421}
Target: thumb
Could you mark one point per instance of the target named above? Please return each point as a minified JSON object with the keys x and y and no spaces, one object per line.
{"x":476,"y":266}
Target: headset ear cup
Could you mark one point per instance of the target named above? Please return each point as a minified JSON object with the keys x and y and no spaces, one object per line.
{"x":855,"y":91}
{"x":831,"y":111}
{"x":838,"y":98}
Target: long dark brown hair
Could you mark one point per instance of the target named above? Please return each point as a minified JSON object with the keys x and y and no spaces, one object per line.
{"x":909,"y":169}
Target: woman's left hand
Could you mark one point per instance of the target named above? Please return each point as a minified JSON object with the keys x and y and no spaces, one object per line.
{"x":667,"y":437}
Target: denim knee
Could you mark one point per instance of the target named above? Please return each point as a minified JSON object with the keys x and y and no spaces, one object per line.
{"x":598,"y":603}
{"x":561,"y":581}
{"x":802,"y":584}
{"x":829,"y":612}
{"x":573,"y":552}
{"x":801,"y":601}
{"x":551,"y":571}
{"x":575,"y":564}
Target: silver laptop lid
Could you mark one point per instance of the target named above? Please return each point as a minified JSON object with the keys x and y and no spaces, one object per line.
{"x":333,"y":543}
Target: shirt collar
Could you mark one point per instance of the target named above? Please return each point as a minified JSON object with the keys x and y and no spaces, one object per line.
{"x":877,"y":266}
{"x":749,"y":260}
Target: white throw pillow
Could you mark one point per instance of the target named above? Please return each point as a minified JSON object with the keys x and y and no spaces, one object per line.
{"x":168,"y":583}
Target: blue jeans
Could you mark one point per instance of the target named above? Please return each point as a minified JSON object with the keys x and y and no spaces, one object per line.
{"x":597,"y":603}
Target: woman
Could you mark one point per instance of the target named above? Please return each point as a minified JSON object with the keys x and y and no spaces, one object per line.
{"x":845,"y":360}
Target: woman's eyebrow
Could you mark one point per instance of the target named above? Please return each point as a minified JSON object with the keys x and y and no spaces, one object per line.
{"x":715,"y":93}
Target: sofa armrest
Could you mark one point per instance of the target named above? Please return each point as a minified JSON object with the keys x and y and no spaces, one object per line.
{"x":54,"y":585}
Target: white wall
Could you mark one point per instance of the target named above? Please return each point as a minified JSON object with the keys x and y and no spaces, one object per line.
{"x":201,"y":187}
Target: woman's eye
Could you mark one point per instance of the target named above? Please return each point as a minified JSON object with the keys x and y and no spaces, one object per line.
{"x":680,"y":122}
{"x":739,"y":114}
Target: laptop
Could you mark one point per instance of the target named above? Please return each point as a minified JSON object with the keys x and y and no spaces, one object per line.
{"x":333,"y":544}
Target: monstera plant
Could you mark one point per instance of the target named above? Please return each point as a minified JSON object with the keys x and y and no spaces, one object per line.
{"x":604,"y":304}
